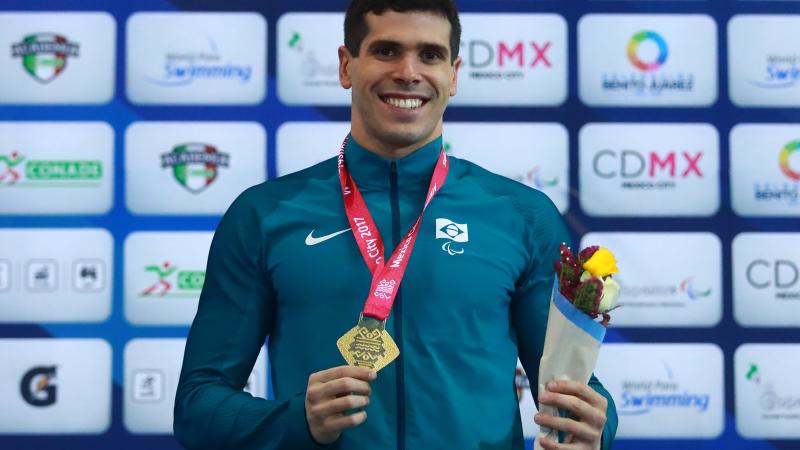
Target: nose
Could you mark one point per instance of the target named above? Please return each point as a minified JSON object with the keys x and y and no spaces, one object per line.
{"x":407,"y":70}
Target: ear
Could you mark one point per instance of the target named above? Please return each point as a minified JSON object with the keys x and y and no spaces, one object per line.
{"x":345,"y":58}
{"x":454,"y":80}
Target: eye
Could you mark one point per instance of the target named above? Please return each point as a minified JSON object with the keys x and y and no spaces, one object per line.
{"x":431,"y":55}
{"x":385,"y":52}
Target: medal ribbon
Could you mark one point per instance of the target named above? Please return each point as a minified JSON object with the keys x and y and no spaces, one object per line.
{"x":386,"y":278}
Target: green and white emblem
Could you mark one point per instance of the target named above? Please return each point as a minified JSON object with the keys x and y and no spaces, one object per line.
{"x":44,"y":55}
{"x":194,"y":165}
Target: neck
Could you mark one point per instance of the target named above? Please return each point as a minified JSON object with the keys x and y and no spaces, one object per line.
{"x":371,"y":170}
{"x":391,"y":150}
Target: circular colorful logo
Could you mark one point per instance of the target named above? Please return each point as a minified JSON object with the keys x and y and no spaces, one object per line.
{"x":633,"y":48}
{"x":787,"y":152}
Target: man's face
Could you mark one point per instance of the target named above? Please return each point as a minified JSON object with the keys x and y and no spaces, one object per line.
{"x":401,"y":80}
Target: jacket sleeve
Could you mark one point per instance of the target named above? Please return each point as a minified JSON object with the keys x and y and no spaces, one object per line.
{"x":234,"y":317}
{"x":531,"y":304}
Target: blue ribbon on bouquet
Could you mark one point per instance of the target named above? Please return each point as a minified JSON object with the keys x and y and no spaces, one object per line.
{"x":579,"y":318}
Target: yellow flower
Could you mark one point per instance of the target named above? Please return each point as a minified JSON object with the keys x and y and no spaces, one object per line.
{"x":602,"y":263}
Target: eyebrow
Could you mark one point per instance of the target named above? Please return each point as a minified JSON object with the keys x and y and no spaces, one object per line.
{"x":427,"y":46}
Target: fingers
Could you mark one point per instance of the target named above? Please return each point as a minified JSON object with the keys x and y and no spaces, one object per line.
{"x":574,"y":399}
{"x":337,"y":382}
{"x":582,"y":431}
{"x":330,"y":394}
{"x":344,"y":422}
{"x":325,"y":421}
{"x":580,"y":390}
{"x":337,"y":388}
{"x":338,"y":405}
{"x":359,"y":373}
{"x":547,"y":444}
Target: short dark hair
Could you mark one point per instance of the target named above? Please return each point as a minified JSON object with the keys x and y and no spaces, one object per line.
{"x":355,"y":26}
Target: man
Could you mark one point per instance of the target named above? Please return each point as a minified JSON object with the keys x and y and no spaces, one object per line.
{"x":284,"y":263}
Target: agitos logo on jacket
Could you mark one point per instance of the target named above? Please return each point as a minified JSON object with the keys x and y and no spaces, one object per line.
{"x":38,"y":386}
{"x":44,"y":55}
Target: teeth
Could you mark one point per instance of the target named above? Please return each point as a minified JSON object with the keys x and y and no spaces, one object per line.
{"x":405,"y":103}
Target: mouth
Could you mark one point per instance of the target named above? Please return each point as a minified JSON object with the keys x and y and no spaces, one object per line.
{"x":404,"y":102}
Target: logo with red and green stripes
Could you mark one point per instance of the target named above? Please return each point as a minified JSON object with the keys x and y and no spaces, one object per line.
{"x":195,"y":165}
{"x":17,"y":171}
{"x":172,"y":282}
{"x":44,"y":55}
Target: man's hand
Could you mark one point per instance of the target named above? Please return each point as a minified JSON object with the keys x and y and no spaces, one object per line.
{"x":588,"y":415}
{"x":332,"y":392}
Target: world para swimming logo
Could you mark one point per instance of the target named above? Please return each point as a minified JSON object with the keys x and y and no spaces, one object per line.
{"x":644,"y":396}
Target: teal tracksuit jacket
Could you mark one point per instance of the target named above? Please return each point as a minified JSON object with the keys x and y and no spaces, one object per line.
{"x":467,"y":308}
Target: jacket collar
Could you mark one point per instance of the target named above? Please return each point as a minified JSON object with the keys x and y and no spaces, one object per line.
{"x":371,"y":171}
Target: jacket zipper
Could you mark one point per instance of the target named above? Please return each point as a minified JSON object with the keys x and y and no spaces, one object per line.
{"x":398,"y":311}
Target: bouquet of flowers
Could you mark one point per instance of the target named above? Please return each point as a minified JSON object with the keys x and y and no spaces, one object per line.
{"x":583,"y":295}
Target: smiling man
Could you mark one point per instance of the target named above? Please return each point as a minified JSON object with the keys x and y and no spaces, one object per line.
{"x":455,"y":264}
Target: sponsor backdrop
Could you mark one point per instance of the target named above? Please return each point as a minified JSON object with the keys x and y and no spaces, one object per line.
{"x":668,"y":131}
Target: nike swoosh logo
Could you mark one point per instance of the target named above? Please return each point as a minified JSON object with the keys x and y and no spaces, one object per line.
{"x":311,"y":240}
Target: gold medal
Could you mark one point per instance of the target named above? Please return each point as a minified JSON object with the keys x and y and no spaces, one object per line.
{"x":368,"y":345}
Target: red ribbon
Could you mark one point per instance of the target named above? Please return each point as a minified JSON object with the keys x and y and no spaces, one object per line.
{"x":386,"y":278}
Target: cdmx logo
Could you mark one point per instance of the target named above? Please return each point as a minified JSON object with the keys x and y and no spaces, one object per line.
{"x":634,"y":163}
{"x":482,"y":54}
{"x":44,"y":55}
{"x":504,"y":60}
{"x":769,"y":400}
{"x":49,"y":173}
{"x":454,"y":233}
{"x":38,"y":386}
{"x":189,"y":282}
{"x":687,"y":287}
{"x":633,"y":50}
{"x":781,"y":274}
{"x":195,"y":166}
{"x":633,"y":166}
{"x":792,"y":148}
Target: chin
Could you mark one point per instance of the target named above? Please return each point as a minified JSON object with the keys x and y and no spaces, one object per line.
{"x":405,"y":138}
